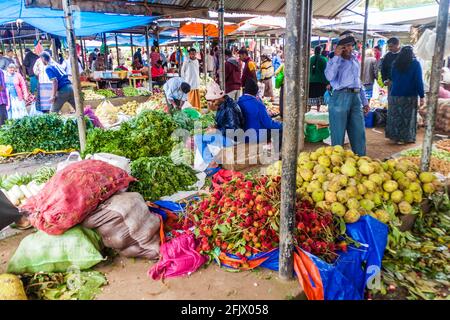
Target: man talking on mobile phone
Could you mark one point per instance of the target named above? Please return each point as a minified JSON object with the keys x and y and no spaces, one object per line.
{"x":348,"y":102}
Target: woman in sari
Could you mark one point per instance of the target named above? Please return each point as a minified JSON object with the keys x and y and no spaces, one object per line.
{"x":407,"y":86}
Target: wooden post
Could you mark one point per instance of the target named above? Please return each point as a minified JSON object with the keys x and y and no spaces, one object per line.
{"x":205,"y":70}
{"x":75,"y":73}
{"x":363,"y":49}
{"x":221,"y":11}
{"x":435,"y":78}
{"x":54,"y":50}
{"x":149,"y":60}
{"x":179,"y":51}
{"x":83,"y":54}
{"x":294,"y":92}
{"x":24,"y":71}
{"x":131,"y":46}
{"x":117,"y":50}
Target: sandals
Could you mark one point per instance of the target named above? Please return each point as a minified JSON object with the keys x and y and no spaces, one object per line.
{"x":22,"y":224}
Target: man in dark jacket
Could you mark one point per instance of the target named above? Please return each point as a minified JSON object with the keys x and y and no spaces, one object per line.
{"x":28,"y":62}
{"x":388,"y":59}
{"x":249,"y":67}
{"x":255,"y":114}
{"x":232,"y":76}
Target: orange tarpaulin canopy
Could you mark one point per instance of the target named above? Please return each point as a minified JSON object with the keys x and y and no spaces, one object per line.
{"x":211,"y":30}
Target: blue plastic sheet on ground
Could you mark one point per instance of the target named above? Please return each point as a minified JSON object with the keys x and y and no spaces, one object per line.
{"x":170,"y":205}
{"x":346,"y":279}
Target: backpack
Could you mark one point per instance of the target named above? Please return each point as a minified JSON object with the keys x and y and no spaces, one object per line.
{"x":229,"y":116}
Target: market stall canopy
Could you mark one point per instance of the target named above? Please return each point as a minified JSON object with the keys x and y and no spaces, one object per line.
{"x":52,"y":21}
{"x":211,"y":30}
{"x":417,"y":15}
{"x":263,"y":23}
{"x":321,"y":8}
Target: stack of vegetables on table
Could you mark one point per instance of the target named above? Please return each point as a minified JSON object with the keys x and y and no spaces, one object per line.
{"x":337,"y":180}
{"x":107,"y":113}
{"x":147,"y":135}
{"x":20,"y":187}
{"x":48,"y":132}
{"x":89,"y":94}
{"x":440,"y":159}
{"x":107,"y":93}
{"x":129,"y":108}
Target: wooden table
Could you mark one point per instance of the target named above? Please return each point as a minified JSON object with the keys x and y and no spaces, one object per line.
{"x":134,"y":79}
{"x":108,"y":82}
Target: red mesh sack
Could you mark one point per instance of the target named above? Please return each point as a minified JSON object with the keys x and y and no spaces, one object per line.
{"x":72,"y":193}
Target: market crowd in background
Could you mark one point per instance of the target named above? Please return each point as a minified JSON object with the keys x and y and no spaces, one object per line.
{"x":334,"y":80}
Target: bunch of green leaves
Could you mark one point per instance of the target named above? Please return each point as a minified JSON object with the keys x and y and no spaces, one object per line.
{"x":44,"y":174}
{"x":183,"y":121}
{"x":107,"y":93}
{"x":81,"y":285}
{"x":130,"y":92}
{"x":417,"y":261}
{"x":147,"y":135}
{"x":159,"y":177}
{"x":49,"y":132}
{"x":206,"y":121}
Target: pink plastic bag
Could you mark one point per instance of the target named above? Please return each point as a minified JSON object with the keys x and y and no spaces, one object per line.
{"x":72,"y":193}
{"x":178,"y":258}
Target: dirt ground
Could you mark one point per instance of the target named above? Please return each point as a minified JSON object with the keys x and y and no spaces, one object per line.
{"x":128,"y":277}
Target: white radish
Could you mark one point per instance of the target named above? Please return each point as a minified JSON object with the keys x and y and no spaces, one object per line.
{"x":17,"y":192}
{"x":25,"y":191}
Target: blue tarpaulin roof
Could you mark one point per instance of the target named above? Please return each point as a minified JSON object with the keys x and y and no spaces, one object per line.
{"x":52,"y":21}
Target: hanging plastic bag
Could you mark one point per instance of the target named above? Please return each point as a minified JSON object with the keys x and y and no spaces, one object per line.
{"x":327,"y":97}
{"x":18,"y":109}
{"x":33,"y":112}
{"x":279,"y":80}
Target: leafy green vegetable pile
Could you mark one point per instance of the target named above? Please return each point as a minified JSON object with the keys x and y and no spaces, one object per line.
{"x":183,"y":121}
{"x":416,"y":262}
{"x":130,"y":92}
{"x":49,"y":132}
{"x":147,"y":135}
{"x":44,"y":174}
{"x":84,"y":285}
{"x":107,"y":93}
{"x":159,"y":177}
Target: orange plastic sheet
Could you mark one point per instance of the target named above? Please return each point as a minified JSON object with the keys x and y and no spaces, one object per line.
{"x":308,"y":275}
{"x":211,"y":30}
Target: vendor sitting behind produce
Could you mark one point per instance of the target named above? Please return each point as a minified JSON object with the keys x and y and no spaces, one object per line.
{"x":62,"y":87}
{"x":176,"y":90}
{"x":158,"y":73}
{"x":228,"y":119}
{"x":255,"y":114}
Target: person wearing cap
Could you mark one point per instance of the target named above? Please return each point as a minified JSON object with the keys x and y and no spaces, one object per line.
{"x":348,"y":97}
{"x":255,"y":113}
{"x":190,"y":72}
{"x":232,"y":76}
{"x":62,"y":90}
{"x":229,"y":115}
{"x":229,"y":118}
{"x":249,"y":67}
{"x":176,"y":91}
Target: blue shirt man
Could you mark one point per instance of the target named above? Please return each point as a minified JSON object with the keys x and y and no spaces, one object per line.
{"x":62,"y":90}
{"x":176,"y":90}
{"x":345,"y":107}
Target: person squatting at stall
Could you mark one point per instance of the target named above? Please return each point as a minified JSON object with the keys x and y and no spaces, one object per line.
{"x":62,"y":87}
{"x":348,"y":96}
{"x":176,"y":91}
